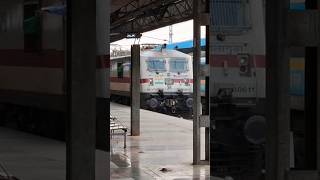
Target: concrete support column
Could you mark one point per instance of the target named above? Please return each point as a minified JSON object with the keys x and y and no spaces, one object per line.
{"x":196,"y":80}
{"x":318,"y":109}
{"x":310,"y":120}
{"x":311,"y":108}
{"x":207,"y":85}
{"x":102,"y":72}
{"x":103,"y":89}
{"x":318,"y":100}
{"x":277,"y":82}
{"x":135,"y":90}
{"x":81,"y":89}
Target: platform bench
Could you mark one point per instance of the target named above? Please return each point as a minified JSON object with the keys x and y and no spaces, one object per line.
{"x":116,"y":128}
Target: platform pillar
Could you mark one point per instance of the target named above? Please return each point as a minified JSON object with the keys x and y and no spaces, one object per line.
{"x":277,"y":90}
{"x":196,"y":80}
{"x":318,"y":107}
{"x":311,"y":106}
{"x":103,"y":89}
{"x":81,"y":89}
{"x":135,"y":90}
{"x":317,"y":6}
{"x":207,"y":85}
{"x":102,"y":72}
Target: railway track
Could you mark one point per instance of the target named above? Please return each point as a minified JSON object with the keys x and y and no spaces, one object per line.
{"x":184,"y":115}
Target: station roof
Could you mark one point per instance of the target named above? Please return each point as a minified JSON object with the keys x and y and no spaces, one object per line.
{"x":138,"y":16}
{"x":117,"y":4}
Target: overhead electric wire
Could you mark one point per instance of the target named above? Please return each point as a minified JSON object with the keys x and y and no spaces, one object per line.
{"x":154,"y":38}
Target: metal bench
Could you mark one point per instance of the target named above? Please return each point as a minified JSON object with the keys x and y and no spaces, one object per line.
{"x":116,"y":128}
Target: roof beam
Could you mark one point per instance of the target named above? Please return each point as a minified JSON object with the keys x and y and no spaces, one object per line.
{"x":144,"y":15}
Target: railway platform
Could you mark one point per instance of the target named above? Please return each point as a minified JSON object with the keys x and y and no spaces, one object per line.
{"x":162,"y":151}
{"x":31,"y":157}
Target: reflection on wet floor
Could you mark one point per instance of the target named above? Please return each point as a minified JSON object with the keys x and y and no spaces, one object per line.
{"x":120,"y":160}
{"x":163,"y":151}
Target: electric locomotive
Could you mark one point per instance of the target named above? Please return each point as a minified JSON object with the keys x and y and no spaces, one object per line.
{"x":166,"y":80}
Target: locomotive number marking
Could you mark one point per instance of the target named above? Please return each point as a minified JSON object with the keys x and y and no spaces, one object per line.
{"x":244,"y":89}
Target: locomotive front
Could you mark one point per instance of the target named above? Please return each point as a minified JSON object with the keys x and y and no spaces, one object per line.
{"x":166,"y":80}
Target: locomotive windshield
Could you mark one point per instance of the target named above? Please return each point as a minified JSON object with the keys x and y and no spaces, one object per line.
{"x":178,"y":65}
{"x":157,"y":65}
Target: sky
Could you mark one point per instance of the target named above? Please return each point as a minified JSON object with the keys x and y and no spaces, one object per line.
{"x":181,"y":32}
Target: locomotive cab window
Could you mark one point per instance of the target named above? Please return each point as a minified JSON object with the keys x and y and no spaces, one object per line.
{"x":120,"y":70}
{"x":178,"y":65}
{"x":156,"y":65}
{"x":230,"y":16}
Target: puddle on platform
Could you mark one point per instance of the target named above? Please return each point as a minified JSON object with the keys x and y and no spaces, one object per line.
{"x":120,"y":160}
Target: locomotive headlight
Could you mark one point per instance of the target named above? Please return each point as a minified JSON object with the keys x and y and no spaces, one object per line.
{"x":169,"y":81}
{"x":243,"y":61}
{"x":151,"y":81}
{"x":186,"y":82}
{"x":244,"y":64}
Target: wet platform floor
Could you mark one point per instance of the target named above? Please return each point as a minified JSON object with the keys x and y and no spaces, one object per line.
{"x":31,"y":157}
{"x":165,"y":144}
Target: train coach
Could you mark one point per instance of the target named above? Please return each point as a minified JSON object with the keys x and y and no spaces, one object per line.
{"x":32,"y":68}
{"x":166,"y":80}
{"x":33,"y":92}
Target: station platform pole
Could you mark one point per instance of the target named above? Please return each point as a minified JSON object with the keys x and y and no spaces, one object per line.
{"x":196,"y":80}
{"x":81,"y":89}
{"x":285,"y":29}
{"x":135,"y":90}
